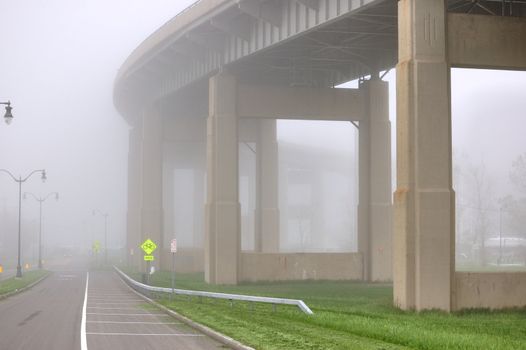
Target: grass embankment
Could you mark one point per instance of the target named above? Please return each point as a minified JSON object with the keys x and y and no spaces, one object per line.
{"x":12,"y":284}
{"x":347,"y":315}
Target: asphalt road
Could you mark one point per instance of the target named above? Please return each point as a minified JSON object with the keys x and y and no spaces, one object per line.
{"x":49,"y":317}
{"x":46,"y":317}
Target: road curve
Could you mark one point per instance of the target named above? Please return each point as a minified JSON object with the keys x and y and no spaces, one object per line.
{"x":49,"y":317}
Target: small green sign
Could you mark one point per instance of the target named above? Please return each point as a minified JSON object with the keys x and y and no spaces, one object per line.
{"x":148,"y":246}
{"x":148,"y":258}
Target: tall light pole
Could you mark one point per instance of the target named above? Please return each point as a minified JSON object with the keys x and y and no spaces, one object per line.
{"x":500,"y":235}
{"x":40,"y":200}
{"x":8,"y":116}
{"x":20,"y":181}
{"x":95,"y":211}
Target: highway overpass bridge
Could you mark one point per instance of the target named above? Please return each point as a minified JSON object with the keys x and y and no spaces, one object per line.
{"x":224,"y":70}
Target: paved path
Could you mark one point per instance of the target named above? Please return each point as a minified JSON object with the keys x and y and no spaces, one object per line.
{"x":50,"y":316}
{"x":117,"y":318}
{"x":46,"y":317}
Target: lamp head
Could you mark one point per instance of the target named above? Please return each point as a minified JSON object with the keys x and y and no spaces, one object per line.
{"x":44,"y":177}
{"x":56,"y":196}
{"x":8,"y":116}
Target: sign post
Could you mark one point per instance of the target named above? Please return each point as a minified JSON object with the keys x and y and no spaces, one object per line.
{"x":173,"y":250}
{"x":148,"y":246}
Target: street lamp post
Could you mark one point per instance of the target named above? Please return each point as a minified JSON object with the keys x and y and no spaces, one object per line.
{"x":8,"y":116}
{"x":20,"y":181}
{"x":500,"y":235}
{"x":105,"y":233}
{"x":40,"y":200}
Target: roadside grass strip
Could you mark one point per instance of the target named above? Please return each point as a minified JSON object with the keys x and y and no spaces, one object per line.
{"x":13,"y":284}
{"x":347,"y":315}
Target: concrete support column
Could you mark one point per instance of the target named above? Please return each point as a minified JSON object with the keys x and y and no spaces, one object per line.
{"x":375,"y":208}
{"x":168,"y":200}
{"x":317,"y":228}
{"x":424,"y":199}
{"x":267,"y":218}
{"x":133,"y":217}
{"x":151,"y":181}
{"x":364,"y":175}
{"x":380,"y":206}
{"x":199,"y":205}
{"x":222,"y":223}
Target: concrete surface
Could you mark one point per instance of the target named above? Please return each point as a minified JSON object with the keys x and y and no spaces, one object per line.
{"x":492,"y":42}
{"x":222,"y":217}
{"x":424,"y":202}
{"x":493,"y":290}
{"x":116,"y":318}
{"x":300,"y":266}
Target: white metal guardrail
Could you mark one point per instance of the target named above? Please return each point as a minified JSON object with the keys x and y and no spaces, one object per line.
{"x":275,"y":301}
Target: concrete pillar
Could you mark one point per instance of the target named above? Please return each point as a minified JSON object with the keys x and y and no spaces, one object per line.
{"x":424,"y":200}
{"x":168,"y":200}
{"x":317,"y":227}
{"x":151,"y":181}
{"x":222,"y":225}
{"x":199,"y":205}
{"x":380,"y":205}
{"x":364,"y":171}
{"x":267,"y":167}
{"x":133,"y":217}
{"x":375,"y":208}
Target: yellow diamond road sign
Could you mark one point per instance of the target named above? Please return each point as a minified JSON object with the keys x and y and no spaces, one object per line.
{"x":148,"y":246}
{"x":96,"y":246}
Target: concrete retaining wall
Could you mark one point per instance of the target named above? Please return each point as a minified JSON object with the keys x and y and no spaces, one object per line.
{"x":300,"y":266}
{"x":493,"y":290}
{"x":186,"y":260}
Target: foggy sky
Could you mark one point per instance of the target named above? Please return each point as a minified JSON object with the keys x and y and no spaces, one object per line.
{"x":57,"y":65}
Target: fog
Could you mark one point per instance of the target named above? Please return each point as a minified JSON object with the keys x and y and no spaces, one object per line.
{"x":57,"y":65}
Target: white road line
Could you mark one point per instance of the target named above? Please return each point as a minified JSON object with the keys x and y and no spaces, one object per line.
{"x":117,"y":299}
{"x":106,"y":301}
{"x":110,"y":303}
{"x":133,"y":322}
{"x":96,"y":313}
{"x":114,"y":308}
{"x":152,"y":334}
{"x":83,"y":341}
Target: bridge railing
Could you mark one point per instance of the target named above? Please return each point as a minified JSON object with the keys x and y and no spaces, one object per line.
{"x":141,"y":287}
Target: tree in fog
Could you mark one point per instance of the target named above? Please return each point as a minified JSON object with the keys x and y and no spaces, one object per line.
{"x":475,"y":209}
{"x":513,"y":207}
{"x":482,"y":199}
{"x":518,"y":173}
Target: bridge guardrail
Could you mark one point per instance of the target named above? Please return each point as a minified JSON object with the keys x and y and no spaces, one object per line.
{"x":275,"y":301}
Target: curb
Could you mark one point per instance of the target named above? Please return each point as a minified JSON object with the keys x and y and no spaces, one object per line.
{"x":17,"y":291}
{"x":223,"y":339}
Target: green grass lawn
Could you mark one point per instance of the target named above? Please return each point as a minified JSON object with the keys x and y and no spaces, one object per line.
{"x":347,"y":315}
{"x":11,"y":284}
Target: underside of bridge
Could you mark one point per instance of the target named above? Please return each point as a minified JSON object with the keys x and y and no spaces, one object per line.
{"x":223,"y":72}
